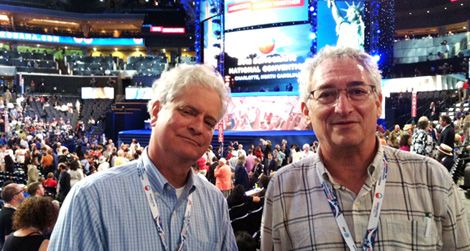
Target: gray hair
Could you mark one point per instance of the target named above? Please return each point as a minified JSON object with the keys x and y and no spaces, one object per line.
{"x":172,"y":83}
{"x":329,"y":52}
{"x":423,"y":122}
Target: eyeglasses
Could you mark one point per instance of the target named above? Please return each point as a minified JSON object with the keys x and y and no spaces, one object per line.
{"x":356,"y":93}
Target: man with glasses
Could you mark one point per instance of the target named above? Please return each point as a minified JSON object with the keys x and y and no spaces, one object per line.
{"x":12,"y":195}
{"x":355,"y":193}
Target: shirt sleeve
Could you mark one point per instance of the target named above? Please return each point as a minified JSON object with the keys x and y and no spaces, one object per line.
{"x":267,"y":219}
{"x":78,"y":226}
{"x":455,"y":229}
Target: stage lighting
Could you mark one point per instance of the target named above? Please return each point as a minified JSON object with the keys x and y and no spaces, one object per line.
{"x":312,"y":35}
{"x":376,"y":58}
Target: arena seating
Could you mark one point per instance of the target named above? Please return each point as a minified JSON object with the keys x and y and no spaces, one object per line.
{"x":148,"y":65}
{"x":88,"y":65}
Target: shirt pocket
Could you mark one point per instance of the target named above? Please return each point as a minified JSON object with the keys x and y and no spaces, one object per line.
{"x":411,"y":234}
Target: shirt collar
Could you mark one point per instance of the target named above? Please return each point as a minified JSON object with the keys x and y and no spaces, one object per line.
{"x":373,"y":170}
{"x":159,"y":182}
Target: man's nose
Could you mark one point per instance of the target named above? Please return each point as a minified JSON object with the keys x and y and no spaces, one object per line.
{"x":343,"y":104}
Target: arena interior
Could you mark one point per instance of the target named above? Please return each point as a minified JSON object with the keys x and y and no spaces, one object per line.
{"x":76,"y":77}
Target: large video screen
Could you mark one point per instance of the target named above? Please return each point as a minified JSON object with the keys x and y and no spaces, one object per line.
{"x":138,"y":93}
{"x":244,"y":13}
{"x":266,"y":60}
{"x":97,"y":93}
{"x":261,"y":113}
{"x":341,"y":23}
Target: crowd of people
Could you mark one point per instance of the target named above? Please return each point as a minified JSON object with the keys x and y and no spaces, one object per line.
{"x":161,"y":197}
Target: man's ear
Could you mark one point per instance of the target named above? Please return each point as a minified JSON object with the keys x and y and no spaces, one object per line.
{"x":156,"y":107}
{"x":305,"y":110}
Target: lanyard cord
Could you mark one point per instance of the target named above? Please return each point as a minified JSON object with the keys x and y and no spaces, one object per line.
{"x":369,"y":237}
{"x":150,"y":196}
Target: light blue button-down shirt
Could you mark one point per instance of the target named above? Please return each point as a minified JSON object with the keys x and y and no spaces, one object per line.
{"x":109,"y":211}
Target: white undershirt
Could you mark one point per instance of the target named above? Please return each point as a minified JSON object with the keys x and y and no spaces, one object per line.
{"x":179,"y":191}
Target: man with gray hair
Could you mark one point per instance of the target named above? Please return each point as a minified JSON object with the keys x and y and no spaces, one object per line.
{"x":355,"y":193}
{"x":156,"y":202}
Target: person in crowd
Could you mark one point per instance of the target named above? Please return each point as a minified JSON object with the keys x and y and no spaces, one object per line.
{"x":50,"y":184}
{"x":421,"y":141}
{"x":75,"y":171}
{"x":223,"y":177}
{"x":210,"y":175}
{"x":47,"y":161}
{"x":404,"y":142}
{"x":33,"y":222}
{"x":12,"y":195}
{"x":241,"y":176}
{"x":258,"y":169}
{"x":36,"y":189}
{"x":158,"y":193}
{"x":305,"y":151}
{"x":33,"y":171}
{"x":64,"y":182}
{"x":10,"y":165}
{"x":238,"y":196}
{"x":245,"y":241}
{"x":447,"y":135}
{"x":250,"y":161}
{"x":412,"y":200}
{"x":445,"y":156}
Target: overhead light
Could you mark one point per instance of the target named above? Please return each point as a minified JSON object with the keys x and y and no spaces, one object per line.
{"x":66,"y":47}
{"x":94,"y":48}
{"x":410,"y":13}
{"x":54,"y":22}
{"x":115,"y":49}
{"x":4,"y":18}
{"x":164,"y":50}
{"x":428,"y":11}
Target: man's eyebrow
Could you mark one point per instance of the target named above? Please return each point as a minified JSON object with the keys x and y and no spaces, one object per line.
{"x":355,"y":83}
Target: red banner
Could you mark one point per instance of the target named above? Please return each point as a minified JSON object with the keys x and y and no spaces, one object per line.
{"x":220,"y":127}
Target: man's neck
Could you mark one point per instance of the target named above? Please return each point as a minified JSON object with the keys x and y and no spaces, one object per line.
{"x":10,"y":205}
{"x":175,"y":171}
{"x":348,"y":167}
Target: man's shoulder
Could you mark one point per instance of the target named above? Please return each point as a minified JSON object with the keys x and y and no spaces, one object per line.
{"x":414,"y":163}
{"x":115,"y":175}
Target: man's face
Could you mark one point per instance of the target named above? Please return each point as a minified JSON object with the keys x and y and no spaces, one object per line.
{"x":344,"y":123}
{"x":40,"y":192}
{"x":184,"y":127}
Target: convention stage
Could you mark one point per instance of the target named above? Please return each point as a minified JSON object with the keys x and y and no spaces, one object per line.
{"x":244,"y":137}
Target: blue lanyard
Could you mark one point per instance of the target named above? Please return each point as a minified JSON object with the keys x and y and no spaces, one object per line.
{"x":372,"y":226}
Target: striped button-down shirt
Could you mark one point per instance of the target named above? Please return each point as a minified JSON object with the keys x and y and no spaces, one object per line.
{"x":109,"y":211}
{"x":422,"y":209}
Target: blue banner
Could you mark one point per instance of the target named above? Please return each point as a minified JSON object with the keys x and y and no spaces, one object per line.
{"x":42,"y":38}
